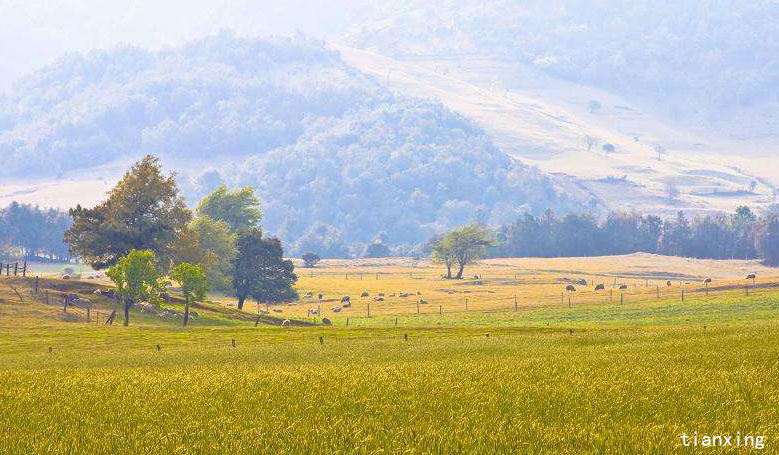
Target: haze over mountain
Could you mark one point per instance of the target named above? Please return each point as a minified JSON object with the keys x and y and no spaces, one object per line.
{"x":408,"y":117}
{"x":323,"y":144}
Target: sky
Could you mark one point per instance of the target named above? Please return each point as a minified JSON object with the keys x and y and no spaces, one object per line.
{"x":34,"y":33}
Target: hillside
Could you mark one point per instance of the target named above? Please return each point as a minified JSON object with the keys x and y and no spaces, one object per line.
{"x":327,"y":146}
{"x":540,"y":77}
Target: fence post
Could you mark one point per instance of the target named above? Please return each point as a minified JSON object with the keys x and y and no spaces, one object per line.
{"x":47,"y":296}
{"x":369,"y":310}
{"x":621,"y":298}
{"x":347,"y":322}
{"x":658,"y":292}
{"x":466,"y":304}
{"x":569,"y":300}
{"x":36,"y":284}
{"x":682,"y":294}
{"x":24,"y":270}
{"x":89,"y":316}
{"x":417,"y":306}
{"x":16,"y":268}
{"x":515,"y":302}
{"x":611,"y":296}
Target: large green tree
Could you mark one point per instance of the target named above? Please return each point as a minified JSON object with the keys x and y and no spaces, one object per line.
{"x":208,"y":243}
{"x":143,"y":211}
{"x":260,"y":270}
{"x":136,"y":278}
{"x":240,"y":208}
{"x":193,"y":284}
{"x":464,"y":246}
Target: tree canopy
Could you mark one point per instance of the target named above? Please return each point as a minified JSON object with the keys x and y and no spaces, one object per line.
{"x":193,"y":284}
{"x":136,"y":278}
{"x":239,"y":208}
{"x":143,"y":211}
{"x":260,"y":270}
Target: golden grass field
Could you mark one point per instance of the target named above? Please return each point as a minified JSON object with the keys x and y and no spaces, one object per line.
{"x":599,"y":376}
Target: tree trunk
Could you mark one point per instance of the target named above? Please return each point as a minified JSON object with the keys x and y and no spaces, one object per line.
{"x":460,"y":272}
{"x":449,"y":271}
{"x":186,"y":311}
{"x":126,"y":313}
{"x":241,"y":298}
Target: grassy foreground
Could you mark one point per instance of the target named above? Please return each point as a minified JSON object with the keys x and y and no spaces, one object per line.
{"x":361,"y":391}
{"x":598,"y":377}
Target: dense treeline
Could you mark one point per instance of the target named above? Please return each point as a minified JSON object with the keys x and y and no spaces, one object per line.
{"x":741,"y":235}
{"x":32,"y":232}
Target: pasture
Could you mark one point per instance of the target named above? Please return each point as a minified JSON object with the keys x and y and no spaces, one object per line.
{"x":617,"y":371}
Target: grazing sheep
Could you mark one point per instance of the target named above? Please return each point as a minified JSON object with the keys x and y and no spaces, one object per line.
{"x":347,"y":304}
{"x":336,"y":309}
{"x":314,"y":311}
{"x":97,"y":292}
{"x":600,"y":287}
{"x":668,"y":283}
{"x":707,"y":281}
{"x":345,"y":299}
{"x":582,"y":282}
{"x":419,"y":293}
{"x":326,"y":321}
{"x":623,"y":287}
{"x":378,"y":299}
{"x":751,"y":276}
{"x":364,"y":294}
{"x":381,"y":294}
{"x":308,"y":295}
{"x":392,"y":295}
{"x":277,"y":310}
{"x":321,"y":296}
{"x":66,"y":277}
{"x":570,"y":288}
{"x":476,"y":277}
{"x":403,"y":294}
{"x":285,"y":323}
{"x":422,"y":302}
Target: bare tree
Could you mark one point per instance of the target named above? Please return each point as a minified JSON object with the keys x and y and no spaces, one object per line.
{"x":661,"y":151}
{"x":671,"y":191}
{"x":590,"y":141}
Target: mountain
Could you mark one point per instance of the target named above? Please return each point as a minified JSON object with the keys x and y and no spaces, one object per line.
{"x":327,"y":146}
{"x":684,"y":96}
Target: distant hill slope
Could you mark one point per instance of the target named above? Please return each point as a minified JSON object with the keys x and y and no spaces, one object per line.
{"x":545,"y":122}
{"x":694,"y":80}
{"x":335,"y":156}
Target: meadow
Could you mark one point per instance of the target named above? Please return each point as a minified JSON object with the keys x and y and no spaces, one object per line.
{"x":599,"y":376}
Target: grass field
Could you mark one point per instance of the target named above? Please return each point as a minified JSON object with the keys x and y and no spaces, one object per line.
{"x":598,"y":377}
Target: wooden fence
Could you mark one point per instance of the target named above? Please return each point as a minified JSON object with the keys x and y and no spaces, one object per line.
{"x":15,"y":268}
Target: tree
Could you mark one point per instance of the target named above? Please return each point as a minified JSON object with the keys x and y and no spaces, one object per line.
{"x":310,"y":260}
{"x":672,"y":191}
{"x":260,"y":270}
{"x":377,"y":250}
{"x":594,"y":106}
{"x":660,"y":151}
{"x":143,"y":211}
{"x":442,"y":252}
{"x":767,"y":239}
{"x":136,"y":278}
{"x":465,"y":244}
{"x":240,"y":208}
{"x":193,"y":284}
{"x":210,"y":244}
{"x":589,"y":141}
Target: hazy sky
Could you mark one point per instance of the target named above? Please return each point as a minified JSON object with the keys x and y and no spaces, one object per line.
{"x":36,"y":32}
